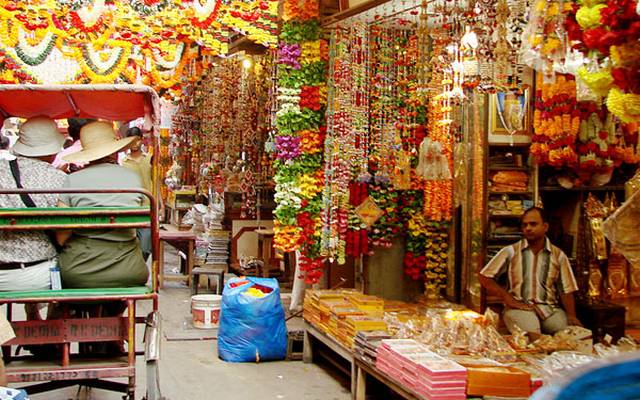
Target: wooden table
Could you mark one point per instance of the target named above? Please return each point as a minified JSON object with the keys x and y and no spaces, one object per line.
{"x":312,"y":334}
{"x":364,"y":369}
{"x":177,"y":239}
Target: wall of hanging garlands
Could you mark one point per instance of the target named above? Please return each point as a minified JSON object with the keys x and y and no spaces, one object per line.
{"x":380,"y":112}
{"x":222,"y":125}
{"x":155,"y":42}
{"x":394,"y":81}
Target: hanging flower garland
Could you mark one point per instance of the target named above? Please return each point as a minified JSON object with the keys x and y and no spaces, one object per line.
{"x":607,"y":32}
{"x":142,"y":23}
{"x":299,"y":122}
{"x":103,"y":65}
{"x":34,"y":55}
{"x":167,"y":70}
{"x":579,"y":138}
{"x":556,"y":122}
{"x":9,"y":33}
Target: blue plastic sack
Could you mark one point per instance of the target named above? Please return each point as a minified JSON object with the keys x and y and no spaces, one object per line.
{"x":251,"y":328}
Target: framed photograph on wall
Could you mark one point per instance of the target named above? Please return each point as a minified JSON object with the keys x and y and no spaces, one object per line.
{"x":509,"y":119}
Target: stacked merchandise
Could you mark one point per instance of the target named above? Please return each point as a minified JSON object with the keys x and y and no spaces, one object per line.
{"x":352,"y":324}
{"x":342,"y":314}
{"x":509,"y":181}
{"x":316,"y":307}
{"x":218,"y":249}
{"x":422,"y":371}
{"x":372,"y":305}
{"x":509,"y":207}
{"x":212,"y":248}
{"x":366,"y":344}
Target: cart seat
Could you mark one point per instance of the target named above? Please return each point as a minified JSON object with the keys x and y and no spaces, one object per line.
{"x":74,"y":218}
{"x":71,"y":294}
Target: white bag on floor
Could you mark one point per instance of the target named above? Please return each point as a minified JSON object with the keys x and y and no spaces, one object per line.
{"x":12,"y":394}
{"x":298,"y":288}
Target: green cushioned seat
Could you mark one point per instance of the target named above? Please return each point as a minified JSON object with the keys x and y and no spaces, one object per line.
{"x":53,"y":294}
{"x":31,"y":218}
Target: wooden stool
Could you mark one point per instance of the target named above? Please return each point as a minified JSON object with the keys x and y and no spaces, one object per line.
{"x":176,"y":238}
{"x":208,"y":272}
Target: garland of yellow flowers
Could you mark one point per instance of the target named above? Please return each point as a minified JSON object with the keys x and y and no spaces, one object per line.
{"x":156,"y":75}
{"x":115,"y":70}
{"x":8,"y":32}
{"x":115,"y":23}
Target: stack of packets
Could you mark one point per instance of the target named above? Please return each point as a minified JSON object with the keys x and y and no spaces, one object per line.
{"x":422,"y":371}
{"x":366,"y":344}
{"x":344,"y":313}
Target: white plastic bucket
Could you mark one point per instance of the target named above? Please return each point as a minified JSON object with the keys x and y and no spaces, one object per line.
{"x":205,"y":310}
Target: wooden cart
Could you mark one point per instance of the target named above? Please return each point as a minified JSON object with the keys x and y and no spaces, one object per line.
{"x":72,"y":367}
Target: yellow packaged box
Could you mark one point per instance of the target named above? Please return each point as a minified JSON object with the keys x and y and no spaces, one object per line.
{"x":491,"y":380}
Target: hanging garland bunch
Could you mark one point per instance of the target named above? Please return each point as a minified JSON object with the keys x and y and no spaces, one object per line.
{"x":580,"y":138}
{"x":556,"y":121}
{"x":607,"y":32}
{"x":302,"y":100}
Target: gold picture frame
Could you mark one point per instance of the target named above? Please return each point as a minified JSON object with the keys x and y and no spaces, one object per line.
{"x":509,"y":117}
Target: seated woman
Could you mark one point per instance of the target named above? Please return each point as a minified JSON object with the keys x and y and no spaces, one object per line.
{"x":101,"y":257}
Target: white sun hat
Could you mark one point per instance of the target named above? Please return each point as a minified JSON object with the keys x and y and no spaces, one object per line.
{"x":39,"y":136}
{"x":98,"y":140}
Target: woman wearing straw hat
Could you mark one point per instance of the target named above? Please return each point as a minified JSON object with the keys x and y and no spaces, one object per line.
{"x":105,"y":257}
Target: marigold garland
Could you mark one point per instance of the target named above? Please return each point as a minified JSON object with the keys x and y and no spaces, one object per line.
{"x":300,"y":120}
{"x":78,"y":24}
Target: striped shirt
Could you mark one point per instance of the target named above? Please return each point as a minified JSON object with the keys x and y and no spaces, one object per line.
{"x":534,"y":278}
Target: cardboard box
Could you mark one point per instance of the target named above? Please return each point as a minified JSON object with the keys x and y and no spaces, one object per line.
{"x":491,"y":380}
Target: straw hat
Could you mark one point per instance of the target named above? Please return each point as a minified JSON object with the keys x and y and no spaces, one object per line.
{"x":39,"y":136}
{"x":98,"y":140}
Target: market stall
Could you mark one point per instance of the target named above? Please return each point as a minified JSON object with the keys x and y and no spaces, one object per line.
{"x":444,"y":123}
{"x":381,"y":156}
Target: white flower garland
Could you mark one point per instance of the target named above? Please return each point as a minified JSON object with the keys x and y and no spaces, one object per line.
{"x":37,"y":52}
{"x":102,"y":66}
{"x":89,"y":16}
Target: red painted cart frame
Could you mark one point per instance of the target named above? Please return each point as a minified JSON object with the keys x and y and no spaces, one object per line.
{"x":110,"y":102}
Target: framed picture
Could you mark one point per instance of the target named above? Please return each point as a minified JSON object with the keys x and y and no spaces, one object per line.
{"x":509,"y":118}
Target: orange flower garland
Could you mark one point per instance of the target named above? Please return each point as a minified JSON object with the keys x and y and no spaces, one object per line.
{"x":438,"y":194}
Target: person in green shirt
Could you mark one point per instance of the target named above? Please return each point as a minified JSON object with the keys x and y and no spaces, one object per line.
{"x":99,"y":258}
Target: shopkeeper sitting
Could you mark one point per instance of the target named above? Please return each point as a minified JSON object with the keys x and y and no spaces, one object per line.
{"x":537,"y":271}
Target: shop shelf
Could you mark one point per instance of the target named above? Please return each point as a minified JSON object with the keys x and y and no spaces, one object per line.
{"x":606,"y":188}
{"x":524,"y":193}
{"x":506,"y":216}
{"x":508,"y":168}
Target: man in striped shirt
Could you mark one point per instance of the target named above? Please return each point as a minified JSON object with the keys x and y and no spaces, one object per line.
{"x":538,"y":275}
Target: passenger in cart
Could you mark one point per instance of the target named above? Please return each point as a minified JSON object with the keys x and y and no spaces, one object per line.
{"x":101,"y":258}
{"x":26,"y":257}
{"x":539,"y":280}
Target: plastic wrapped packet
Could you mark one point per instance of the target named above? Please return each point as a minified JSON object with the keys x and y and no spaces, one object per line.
{"x":189,"y":217}
{"x":519,"y":338}
{"x":625,"y":344}
{"x":621,"y":228}
{"x":564,"y":361}
{"x":491,"y":318}
{"x":437,"y":336}
{"x":497,"y":347}
{"x":575,"y":338}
